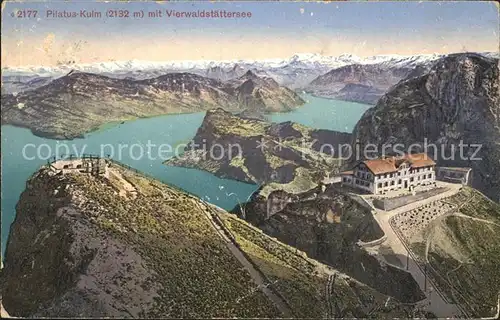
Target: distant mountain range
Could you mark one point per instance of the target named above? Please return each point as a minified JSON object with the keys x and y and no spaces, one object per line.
{"x":80,"y":102}
{"x":296,"y":73}
{"x":298,"y":61}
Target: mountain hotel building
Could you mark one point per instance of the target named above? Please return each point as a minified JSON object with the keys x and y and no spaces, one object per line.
{"x":391,"y":173}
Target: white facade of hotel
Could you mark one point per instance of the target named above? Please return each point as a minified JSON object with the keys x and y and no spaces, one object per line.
{"x":404,"y":178}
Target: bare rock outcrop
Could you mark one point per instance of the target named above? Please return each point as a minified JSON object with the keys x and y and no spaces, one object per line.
{"x":456,"y":102}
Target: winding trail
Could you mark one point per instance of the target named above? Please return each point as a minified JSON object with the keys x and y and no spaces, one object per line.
{"x":255,"y":274}
{"x":461,"y":215}
{"x":328,"y":296}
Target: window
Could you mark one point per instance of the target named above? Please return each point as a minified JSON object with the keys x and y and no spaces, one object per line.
{"x":386,"y":184}
{"x":411,"y":179}
{"x":392,"y":182}
{"x":380,"y":185}
{"x":430,"y":175}
{"x":399,"y":181}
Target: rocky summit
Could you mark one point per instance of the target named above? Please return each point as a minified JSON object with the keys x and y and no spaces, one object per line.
{"x":123,"y":245}
{"x":456,"y":102}
{"x":79,"y":102}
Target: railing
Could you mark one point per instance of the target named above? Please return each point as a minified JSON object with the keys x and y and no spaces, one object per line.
{"x":89,"y":156}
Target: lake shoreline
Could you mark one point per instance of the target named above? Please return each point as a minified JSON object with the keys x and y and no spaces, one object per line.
{"x":165,"y":129}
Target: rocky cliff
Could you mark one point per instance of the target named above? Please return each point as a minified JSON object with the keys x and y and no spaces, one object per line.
{"x":329,"y":226}
{"x":122,"y":245}
{"x":79,"y":102}
{"x":256,"y":151}
{"x":456,"y":102}
{"x":364,"y":83}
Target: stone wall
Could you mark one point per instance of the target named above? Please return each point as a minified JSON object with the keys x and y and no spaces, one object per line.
{"x":388,"y":204}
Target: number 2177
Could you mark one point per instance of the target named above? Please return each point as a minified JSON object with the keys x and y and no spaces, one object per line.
{"x":27,"y":13}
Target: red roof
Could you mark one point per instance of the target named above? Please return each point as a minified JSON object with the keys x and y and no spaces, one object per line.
{"x":391,"y":164}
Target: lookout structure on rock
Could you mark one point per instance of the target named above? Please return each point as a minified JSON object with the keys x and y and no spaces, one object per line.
{"x":88,"y":164}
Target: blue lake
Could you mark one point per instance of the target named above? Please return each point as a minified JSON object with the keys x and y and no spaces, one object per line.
{"x":323,"y":113}
{"x":19,"y":146}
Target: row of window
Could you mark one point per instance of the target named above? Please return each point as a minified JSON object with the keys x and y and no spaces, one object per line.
{"x":411,"y":171}
{"x":412,"y":179}
{"x":362,"y":183}
{"x":363,"y":175}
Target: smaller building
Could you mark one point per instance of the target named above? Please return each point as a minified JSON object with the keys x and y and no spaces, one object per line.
{"x":454,"y":174}
{"x":90,"y":165}
{"x":392,"y":173}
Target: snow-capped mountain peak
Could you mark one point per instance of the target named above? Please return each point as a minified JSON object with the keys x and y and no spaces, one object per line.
{"x":301,"y":60}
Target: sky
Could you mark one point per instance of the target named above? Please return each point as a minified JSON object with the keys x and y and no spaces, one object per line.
{"x":274,"y":30}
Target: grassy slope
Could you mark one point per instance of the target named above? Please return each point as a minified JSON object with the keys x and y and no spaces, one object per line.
{"x":292,"y":275}
{"x":199,"y":275}
{"x":466,"y":253}
{"x":302,"y":281}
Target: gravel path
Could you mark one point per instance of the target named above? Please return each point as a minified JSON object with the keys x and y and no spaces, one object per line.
{"x":255,"y":274}
{"x":436,"y":302}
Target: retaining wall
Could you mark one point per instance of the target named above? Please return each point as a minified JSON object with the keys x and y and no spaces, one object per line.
{"x":389,"y":204}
